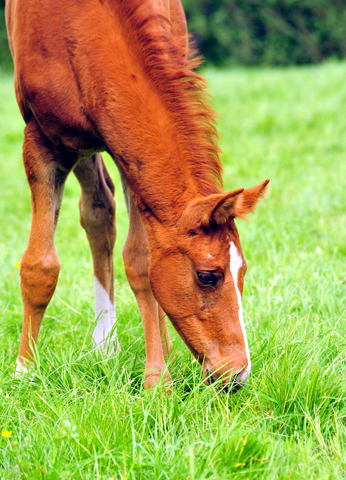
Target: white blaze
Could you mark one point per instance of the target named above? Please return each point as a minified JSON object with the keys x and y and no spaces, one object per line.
{"x":236,"y":263}
{"x":105,"y":314}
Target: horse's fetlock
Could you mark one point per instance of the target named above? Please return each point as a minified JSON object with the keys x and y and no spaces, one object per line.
{"x":155,"y":375}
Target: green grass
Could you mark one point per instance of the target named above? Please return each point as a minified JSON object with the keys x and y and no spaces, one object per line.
{"x":84,"y":417}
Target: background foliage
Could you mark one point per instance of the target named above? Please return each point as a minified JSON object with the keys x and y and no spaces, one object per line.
{"x":5,"y":56}
{"x":252,"y":32}
{"x":273,"y":32}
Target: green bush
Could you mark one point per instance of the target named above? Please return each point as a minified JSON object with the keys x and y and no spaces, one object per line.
{"x":5,"y":55}
{"x":273,"y":32}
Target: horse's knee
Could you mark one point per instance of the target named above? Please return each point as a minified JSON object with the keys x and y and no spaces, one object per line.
{"x":39,"y":277}
{"x":136,"y":263}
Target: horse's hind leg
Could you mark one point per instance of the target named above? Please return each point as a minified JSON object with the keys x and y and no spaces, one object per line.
{"x":97,"y":217}
{"x":40,"y":265}
{"x":136,"y":261}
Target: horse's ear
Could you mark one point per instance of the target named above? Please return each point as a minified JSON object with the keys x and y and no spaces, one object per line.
{"x":237,"y":203}
{"x":217,"y":209}
{"x":249,"y":198}
{"x":225,"y":207}
{"x":208,"y":211}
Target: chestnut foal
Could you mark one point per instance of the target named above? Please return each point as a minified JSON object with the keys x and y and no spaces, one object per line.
{"x":112,"y":75}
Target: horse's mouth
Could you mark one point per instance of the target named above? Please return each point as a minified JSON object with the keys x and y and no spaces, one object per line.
{"x":232,"y":386}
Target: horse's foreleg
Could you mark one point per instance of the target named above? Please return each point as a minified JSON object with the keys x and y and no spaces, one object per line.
{"x":40,"y":265}
{"x":97,"y":217}
{"x":136,"y":261}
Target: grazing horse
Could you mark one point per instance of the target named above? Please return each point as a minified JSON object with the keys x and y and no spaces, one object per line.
{"x":113,"y":75}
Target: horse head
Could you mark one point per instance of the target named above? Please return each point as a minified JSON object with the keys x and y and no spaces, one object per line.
{"x":197,"y":275}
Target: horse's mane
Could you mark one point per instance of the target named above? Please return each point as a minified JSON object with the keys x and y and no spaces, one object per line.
{"x":181,"y":89}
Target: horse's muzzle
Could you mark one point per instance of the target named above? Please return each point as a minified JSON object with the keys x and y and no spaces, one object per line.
{"x":232,"y":386}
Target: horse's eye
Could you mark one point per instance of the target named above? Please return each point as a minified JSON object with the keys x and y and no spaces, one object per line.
{"x":207,"y":278}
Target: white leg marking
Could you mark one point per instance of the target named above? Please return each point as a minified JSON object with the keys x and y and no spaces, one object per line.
{"x":20,"y":368}
{"x":105,"y":314}
{"x":235,"y":264}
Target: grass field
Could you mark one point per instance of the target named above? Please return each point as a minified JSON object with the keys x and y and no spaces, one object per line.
{"x":85,"y":417}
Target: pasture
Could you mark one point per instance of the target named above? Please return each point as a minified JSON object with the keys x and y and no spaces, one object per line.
{"x":83,"y":416}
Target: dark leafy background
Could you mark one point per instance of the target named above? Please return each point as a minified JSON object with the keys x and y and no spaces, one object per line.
{"x":271,"y":32}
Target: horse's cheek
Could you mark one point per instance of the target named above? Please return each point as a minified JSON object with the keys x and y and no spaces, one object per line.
{"x":172,"y":283}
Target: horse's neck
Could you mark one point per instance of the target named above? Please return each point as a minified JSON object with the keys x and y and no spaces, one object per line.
{"x":146,"y":140}
{"x":154,"y":160}
{"x":148,"y":120}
